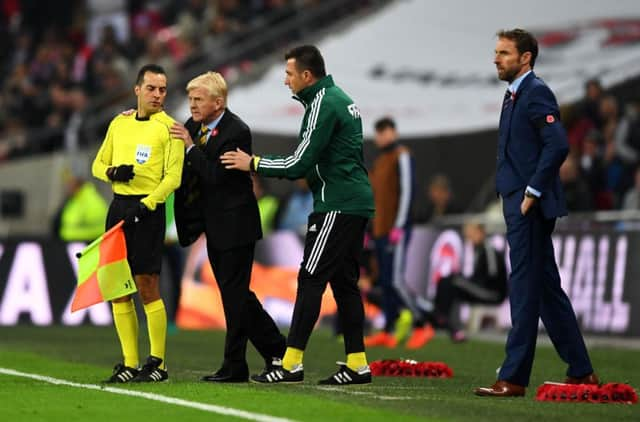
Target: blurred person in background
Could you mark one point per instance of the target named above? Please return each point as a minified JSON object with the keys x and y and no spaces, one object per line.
{"x":587,"y":116}
{"x":592,"y":170}
{"x":297,"y":208}
{"x":576,"y":189}
{"x":532,"y":201}
{"x":143,"y":164}
{"x":221,"y":203}
{"x":618,"y":125}
{"x":268,"y":205}
{"x":487,"y":283}
{"x":392,"y":180}
{"x":82,"y":215}
{"x":440,"y":201}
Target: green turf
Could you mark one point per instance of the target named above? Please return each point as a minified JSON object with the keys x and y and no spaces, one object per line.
{"x":86,"y":355}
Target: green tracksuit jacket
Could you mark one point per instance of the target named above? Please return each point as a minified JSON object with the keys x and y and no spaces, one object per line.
{"x":329,"y":154}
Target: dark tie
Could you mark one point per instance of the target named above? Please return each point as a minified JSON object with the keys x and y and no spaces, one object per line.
{"x":508,"y":99}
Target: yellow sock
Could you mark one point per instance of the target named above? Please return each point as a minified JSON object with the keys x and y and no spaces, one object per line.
{"x":292,"y":357}
{"x":126,"y":322}
{"x":356,"y":361}
{"x":157,"y":326}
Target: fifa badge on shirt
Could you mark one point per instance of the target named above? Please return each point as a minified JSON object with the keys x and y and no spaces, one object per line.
{"x":143,"y":153}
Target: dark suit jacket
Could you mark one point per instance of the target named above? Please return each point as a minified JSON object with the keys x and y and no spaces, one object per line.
{"x":212,"y":199}
{"x":532,"y":145}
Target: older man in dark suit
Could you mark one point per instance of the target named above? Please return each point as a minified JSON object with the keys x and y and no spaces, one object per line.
{"x":221,"y":203}
{"x":532,"y":145}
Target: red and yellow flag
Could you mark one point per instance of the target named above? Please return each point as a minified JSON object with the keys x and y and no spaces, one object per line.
{"x":103,"y":270}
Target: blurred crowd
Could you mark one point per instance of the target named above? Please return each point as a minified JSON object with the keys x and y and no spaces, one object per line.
{"x":58,"y":59}
{"x":602,"y":171}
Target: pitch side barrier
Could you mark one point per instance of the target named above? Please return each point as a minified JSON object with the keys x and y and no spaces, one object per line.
{"x":596,"y":255}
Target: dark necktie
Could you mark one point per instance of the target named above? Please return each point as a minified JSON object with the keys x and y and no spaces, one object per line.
{"x":508,"y":99}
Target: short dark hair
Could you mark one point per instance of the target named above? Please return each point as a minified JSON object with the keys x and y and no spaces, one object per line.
{"x":525,"y":41}
{"x":153,"y":68}
{"x":384,"y":123}
{"x":308,"y":57}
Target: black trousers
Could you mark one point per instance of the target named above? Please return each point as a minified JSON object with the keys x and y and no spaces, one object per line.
{"x":332,"y":248}
{"x":245,"y":317}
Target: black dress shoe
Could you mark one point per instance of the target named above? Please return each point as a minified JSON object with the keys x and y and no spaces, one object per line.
{"x":226,"y":376}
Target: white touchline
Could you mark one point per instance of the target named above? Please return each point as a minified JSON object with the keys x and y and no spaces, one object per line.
{"x":363,"y":393}
{"x":229,"y":411}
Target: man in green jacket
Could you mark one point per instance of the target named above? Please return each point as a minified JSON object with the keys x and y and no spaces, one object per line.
{"x":329,"y":156}
{"x":82,"y":215}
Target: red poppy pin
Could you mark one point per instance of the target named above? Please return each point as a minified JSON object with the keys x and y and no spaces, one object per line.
{"x":550,"y":119}
{"x":215,"y":131}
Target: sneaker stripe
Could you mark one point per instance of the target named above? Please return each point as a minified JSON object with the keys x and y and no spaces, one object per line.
{"x":346,"y":375}
{"x":269,"y":377}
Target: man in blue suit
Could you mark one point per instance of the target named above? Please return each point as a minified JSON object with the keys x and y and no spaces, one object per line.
{"x":531,"y":147}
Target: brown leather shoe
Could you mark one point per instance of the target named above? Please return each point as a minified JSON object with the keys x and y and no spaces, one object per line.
{"x":589,"y":379}
{"x":500,"y":389}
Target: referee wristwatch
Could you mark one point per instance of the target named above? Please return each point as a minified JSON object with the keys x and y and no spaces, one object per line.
{"x":530,"y":195}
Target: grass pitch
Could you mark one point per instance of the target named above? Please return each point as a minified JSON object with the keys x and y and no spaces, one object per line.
{"x":86,"y":355}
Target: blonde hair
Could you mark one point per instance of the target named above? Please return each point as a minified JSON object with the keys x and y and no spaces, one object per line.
{"x":213,"y":82}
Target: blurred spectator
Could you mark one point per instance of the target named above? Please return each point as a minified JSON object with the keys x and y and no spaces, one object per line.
{"x":297,"y":208}
{"x":632,"y":197}
{"x":440,"y":201}
{"x":487,"y":283}
{"x":587,"y":114}
{"x":392,"y":179}
{"x":616,"y":172}
{"x":593,"y":171}
{"x":145,"y":23}
{"x":576,"y":189}
{"x":268,"y":205}
{"x":618,"y":126}
{"x":112,"y":13}
{"x":109,"y":69}
{"x":83,"y":212}
{"x":156,"y":52}
{"x":77,"y":101}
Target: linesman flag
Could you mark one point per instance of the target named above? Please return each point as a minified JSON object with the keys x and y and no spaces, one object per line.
{"x":103,"y":270}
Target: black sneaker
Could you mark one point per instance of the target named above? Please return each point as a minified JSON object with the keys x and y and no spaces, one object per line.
{"x":151,"y":371}
{"x":122,"y":374}
{"x":280,"y":375}
{"x":346,"y":376}
{"x":276,"y":363}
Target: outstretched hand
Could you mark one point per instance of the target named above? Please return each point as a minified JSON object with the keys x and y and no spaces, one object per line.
{"x":236,"y":160}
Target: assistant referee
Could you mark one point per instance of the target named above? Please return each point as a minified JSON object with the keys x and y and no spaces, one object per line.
{"x":144,"y":165}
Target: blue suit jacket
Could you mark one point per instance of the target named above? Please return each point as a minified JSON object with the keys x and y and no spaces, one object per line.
{"x":532,"y":145}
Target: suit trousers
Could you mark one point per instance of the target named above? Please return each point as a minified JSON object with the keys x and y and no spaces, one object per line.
{"x":245,"y":317}
{"x":536,"y":292}
{"x":332,"y":250}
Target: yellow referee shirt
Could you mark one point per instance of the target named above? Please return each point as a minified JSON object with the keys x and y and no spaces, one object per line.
{"x":156,"y":157}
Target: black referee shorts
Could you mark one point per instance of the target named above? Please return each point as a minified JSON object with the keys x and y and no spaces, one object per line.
{"x":145,"y":239}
